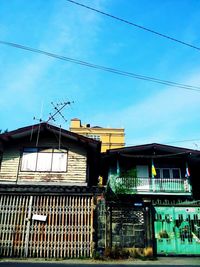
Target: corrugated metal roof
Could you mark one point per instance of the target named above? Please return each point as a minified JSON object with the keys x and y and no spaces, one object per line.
{"x":25,"y":131}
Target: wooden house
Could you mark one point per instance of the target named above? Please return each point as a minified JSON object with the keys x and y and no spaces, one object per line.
{"x":48,"y":190}
{"x":152,"y":199}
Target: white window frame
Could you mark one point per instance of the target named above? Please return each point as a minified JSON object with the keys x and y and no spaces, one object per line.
{"x":170,"y":173}
{"x":94,"y":136}
{"x":44,"y":160}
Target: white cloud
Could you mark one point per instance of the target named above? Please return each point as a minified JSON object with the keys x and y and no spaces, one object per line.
{"x":161,"y":116}
{"x":70,"y":31}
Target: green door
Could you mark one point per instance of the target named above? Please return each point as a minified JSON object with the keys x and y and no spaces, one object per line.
{"x":177,"y":230}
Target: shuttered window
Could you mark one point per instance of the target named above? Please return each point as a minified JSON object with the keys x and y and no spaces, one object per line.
{"x":44,"y":160}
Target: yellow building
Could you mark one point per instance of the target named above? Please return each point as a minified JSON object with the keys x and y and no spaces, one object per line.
{"x":110,"y":137}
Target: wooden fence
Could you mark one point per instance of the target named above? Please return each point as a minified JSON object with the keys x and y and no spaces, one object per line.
{"x":66,"y":231}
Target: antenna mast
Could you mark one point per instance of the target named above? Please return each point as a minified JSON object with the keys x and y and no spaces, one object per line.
{"x":58,"y":110}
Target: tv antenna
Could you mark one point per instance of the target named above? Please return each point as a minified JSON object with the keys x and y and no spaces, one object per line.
{"x":196,"y":146}
{"x":58,"y":107}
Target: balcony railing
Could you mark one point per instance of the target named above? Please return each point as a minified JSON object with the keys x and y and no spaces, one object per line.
{"x":132,"y":185}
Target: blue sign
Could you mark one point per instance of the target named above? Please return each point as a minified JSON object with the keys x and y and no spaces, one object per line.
{"x":138,"y":204}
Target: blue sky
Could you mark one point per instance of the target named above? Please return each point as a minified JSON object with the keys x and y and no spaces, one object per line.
{"x":149,"y":112}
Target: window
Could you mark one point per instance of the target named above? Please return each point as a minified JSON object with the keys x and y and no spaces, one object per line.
{"x":44,"y":160}
{"x":1,"y":158}
{"x":94,"y":136}
{"x":157,"y":173}
{"x":168,"y":173}
{"x":176,"y":173}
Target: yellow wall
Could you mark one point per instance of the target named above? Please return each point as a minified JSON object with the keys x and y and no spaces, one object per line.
{"x":110,"y":137}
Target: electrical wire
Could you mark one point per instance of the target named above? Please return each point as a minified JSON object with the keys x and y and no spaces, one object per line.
{"x":183,"y":141}
{"x":155,"y":156}
{"x":172,"y":142}
{"x":136,"y":25}
{"x":103,"y":68}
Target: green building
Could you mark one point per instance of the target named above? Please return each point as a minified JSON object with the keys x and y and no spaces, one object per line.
{"x":152,"y":199}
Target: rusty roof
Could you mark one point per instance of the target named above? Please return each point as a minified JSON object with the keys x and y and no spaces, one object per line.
{"x":25,"y":131}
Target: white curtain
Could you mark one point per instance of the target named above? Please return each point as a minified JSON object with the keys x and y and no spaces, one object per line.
{"x":44,"y":161}
{"x":33,"y":161}
{"x":29,"y":161}
{"x":59,"y":162}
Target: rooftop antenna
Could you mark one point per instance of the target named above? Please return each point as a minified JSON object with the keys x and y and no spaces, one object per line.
{"x":40,"y":120}
{"x":38,"y":133}
{"x":58,"y":108}
{"x":196,"y":146}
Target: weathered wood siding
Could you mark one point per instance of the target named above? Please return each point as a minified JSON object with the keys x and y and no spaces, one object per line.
{"x":76,"y":164}
{"x":9,"y":165}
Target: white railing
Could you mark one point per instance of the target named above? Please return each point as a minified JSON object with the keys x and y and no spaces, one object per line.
{"x":153,"y":185}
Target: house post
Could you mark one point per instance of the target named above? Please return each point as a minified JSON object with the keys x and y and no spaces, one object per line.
{"x":149,"y":227}
{"x":28,"y":227}
{"x":108,"y":227}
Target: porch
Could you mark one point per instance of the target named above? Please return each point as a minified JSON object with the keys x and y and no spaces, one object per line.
{"x":132,"y":185}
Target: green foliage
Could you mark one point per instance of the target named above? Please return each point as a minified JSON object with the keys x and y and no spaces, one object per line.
{"x":119,"y":253}
{"x":97,"y":255}
{"x":129,"y":173}
{"x":132,"y":181}
{"x":116,"y":253}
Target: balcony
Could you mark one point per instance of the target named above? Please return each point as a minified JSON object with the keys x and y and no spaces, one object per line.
{"x":130,"y":185}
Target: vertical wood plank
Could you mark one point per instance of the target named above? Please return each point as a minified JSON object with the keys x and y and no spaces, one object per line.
{"x":78,"y":227}
{"x":88,"y":227}
{"x":67,"y":226}
{"x":11,"y":227}
{"x":56,"y":228}
{"x":26,"y":245}
{"x":1,"y":223}
{"x":7,"y":232}
{"x":17,"y":234}
{"x":23,"y":225}
{"x":46,"y":246}
{"x":5,"y":214}
{"x":16,"y":200}
{"x":85,"y":227}
{"x":75,"y":227}
{"x":82,"y":226}
{"x":53,"y":227}
{"x":62,"y":246}
{"x":34,"y":248}
{"x":91,"y":225}
{"x":41,"y":229}
{"x":72,"y":227}
{"x":49,"y":227}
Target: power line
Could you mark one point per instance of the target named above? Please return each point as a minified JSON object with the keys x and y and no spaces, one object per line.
{"x":183,"y":141}
{"x":136,"y":25}
{"x":103,"y":68}
{"x":173,"y":142}
{"x":153,"y":156}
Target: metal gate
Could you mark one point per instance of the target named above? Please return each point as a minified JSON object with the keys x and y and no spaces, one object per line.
{"x":65,"y":230}
{"x":177,"y":230}
{"x":128,"y":227}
